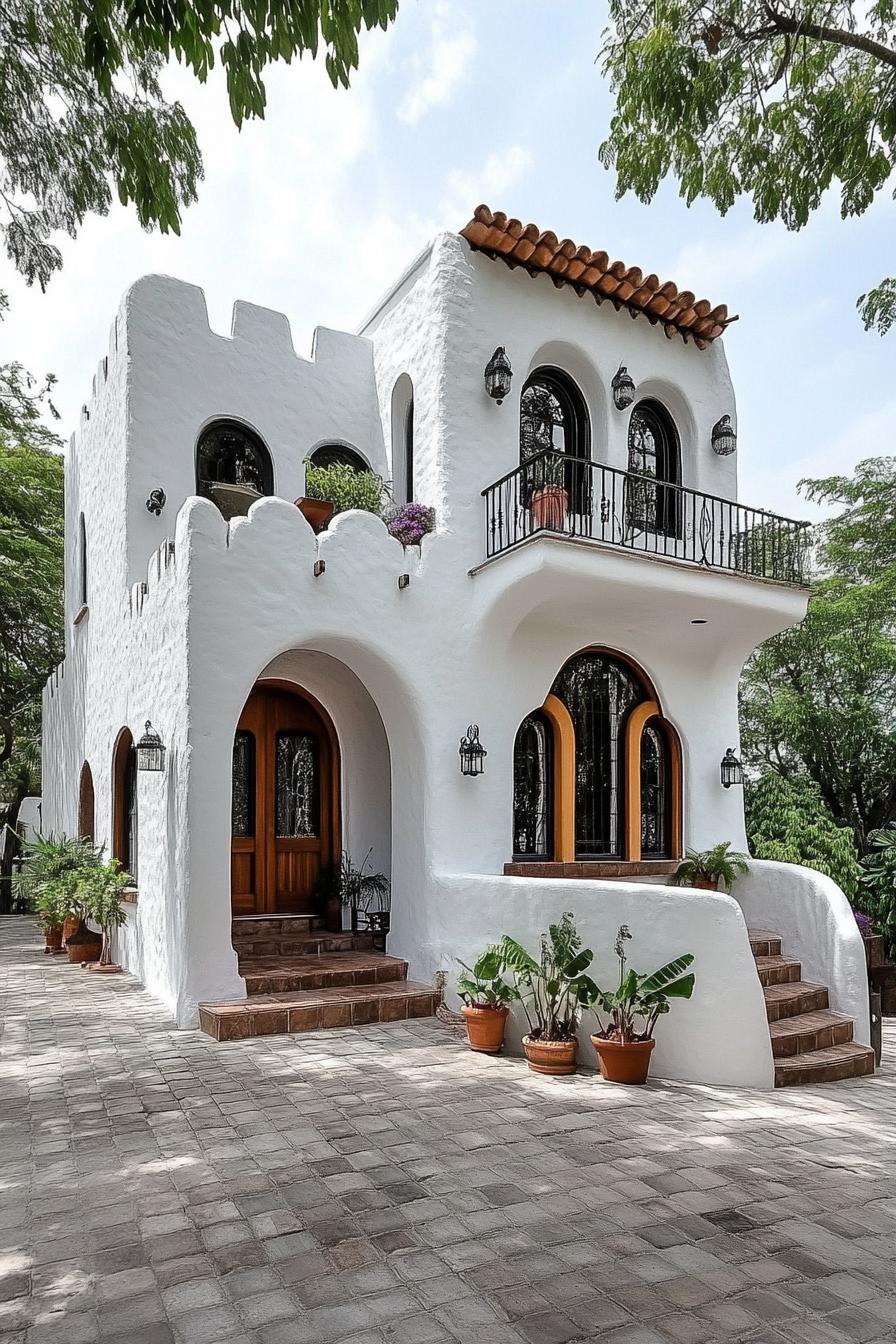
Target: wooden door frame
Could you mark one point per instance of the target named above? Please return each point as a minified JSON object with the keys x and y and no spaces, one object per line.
{"x":335,"y":783}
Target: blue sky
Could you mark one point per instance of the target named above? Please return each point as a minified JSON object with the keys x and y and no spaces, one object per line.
{"x":315,"y":210}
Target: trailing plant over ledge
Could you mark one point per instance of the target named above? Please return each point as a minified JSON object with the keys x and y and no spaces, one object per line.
{"x":410,"y":523}
{"x":639,"y":997}
{"x":710,"y":866}
{"x":344,"y":487}
{"x":554,"y":988}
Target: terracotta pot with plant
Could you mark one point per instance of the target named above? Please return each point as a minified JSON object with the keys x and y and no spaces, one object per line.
{"x":101,"y":893}
{"x":549,"y":501}
{"x":48,"y":879}
{"x":553,"y":989}
{"x":50,"y":906}
{"x":337,"y":489}
{"x":705,"y":869}
{"x":624,"y":1042}
{"x":486,"y":1001}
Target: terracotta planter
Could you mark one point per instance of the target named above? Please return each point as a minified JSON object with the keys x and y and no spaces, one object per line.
{"x":105,"y":968}
{"x":84,"y":945}
{"x":317,"y":511}
{"x":706,"y":883}
{"x":53,"y":939}
{"x":620,"y":1063}
{"x":485,"y":1027}
{"x":550,"y":505}
{"x":71,"y":926}
{"x":553,"y":1057}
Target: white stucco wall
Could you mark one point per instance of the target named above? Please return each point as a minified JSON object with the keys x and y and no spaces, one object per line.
{"x":402,"y":672}
{"x":818,"y":928}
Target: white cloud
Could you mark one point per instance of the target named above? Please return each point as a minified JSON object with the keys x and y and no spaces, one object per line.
{"x":464,"y":189}
{"x":712,"y":269}
{"x":434,"y":77}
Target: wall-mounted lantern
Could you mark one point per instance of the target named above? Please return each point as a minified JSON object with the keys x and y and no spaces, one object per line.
{"x":150,"y":750}
{"x":472,"y":752}
{"x":731,"y":769}
{"x":623,"y":388}
{"x":498,"y":375}
{"x":724,"y":439}
{"x":156,"y":501}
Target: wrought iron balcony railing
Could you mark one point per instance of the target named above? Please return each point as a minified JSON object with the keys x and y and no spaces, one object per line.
{"x":575,"y":497}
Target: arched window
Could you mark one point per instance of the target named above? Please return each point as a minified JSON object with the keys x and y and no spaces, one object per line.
{"x":652,"y":504}
{"x":533,"y":777}
{"x":124,"y":803}
{"x":82,"y":562}
{"x":403,"y":440}
{"x":656,"y":793}
{"x":599,"y":691}
{"x":86,"y":809}
{"x":229,"y":454}
{"x":337,"y":455}
{"x":554,"y":419}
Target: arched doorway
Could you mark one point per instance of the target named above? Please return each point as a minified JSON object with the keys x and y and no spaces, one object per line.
{"x":86,"y":808}
{"x":285,"y":810}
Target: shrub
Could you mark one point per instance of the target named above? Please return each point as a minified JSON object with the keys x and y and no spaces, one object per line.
{"x":410,"y":523}
{"x":344,"y":487}
{"x":878,"y":887}
{"x":789,"y":821}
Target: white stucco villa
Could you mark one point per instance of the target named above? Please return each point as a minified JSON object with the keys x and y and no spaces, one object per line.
{"x":588,"y":598}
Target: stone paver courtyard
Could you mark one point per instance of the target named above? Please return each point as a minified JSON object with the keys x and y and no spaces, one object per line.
{"x":385,"y":1185}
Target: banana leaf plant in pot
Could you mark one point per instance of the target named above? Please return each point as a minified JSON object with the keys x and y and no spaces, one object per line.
{"x":706,"y":868}
{"x":486,"y":1000}
{"x":628,"y":1014}
{"x":553,"y":989}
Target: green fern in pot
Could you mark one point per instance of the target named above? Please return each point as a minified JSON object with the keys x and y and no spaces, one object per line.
{"x":706,"y":868}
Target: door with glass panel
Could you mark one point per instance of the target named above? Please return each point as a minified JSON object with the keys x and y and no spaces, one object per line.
{"x":285,"y":804}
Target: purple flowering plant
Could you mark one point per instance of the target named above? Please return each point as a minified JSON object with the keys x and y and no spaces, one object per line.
{"x":409,"y":523}
{"x":866,"y":927}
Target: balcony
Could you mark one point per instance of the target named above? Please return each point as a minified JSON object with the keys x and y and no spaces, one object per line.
{"x":579,"y":499}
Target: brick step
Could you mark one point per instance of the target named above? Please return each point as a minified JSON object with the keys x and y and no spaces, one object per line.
{"x":809,"y":1031}
{"x":313,"y":1010}
{"x":778,"y":970}
{"x":279,"y":975}
{"x":274,"y":926}
{"x":832,"y":1065}
{"x":312,"y":944}
{"x":763,"y":943}
{"x":793,"y":999}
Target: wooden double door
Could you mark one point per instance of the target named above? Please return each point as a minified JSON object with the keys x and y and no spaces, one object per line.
{"x":285,"y":810}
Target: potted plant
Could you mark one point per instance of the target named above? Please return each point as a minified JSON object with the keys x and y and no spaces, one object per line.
{"x":549,"y":501}
{"x":410,"y":523}
{"x":337,"y":489}
{"x":100,"y":891}
{"x":486,"y":1000}
{"x":50,"y":905}
{"x":56,"y":860}
{"x":706,"y":868}
{"x":367,"y":894}
{"x":624,"y":1043}
{"x":553,"y":989}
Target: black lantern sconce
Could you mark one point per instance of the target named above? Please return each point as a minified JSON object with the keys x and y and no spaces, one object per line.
{"x":498,"y":375}
{"x":623,"y":388}
{"x":156,"y":501}
{"x":472,"y":752}
{"x":150,"y":750}
{"x":731,"y":769}
{"x":724,"y":439}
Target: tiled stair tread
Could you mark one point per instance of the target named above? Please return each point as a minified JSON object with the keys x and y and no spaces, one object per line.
{"x":309,"y":945}
{"x":809,"y":1031}
{"x":302,"y":997}
{"x":778,"y":970}
{"x":326,"y":961}
{"x":764,"y":943}
{"x":276,"y":974}
{"x":831,"y":1065}
{"x":794,"y":998}
{"x":315,"y":1010}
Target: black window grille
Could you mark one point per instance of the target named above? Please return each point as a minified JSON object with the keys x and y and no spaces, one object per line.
{"x":655,"y":792}
{"x":230,"y":454}
{"x":297,"y":786}
{"x":533,"y":789}
{"x":652,"y":501}
{"x":599,"y":692}
{"x":338,"y":455}
{"x":242,"y":809}
{"x":553,"y":419}
{"x":129,"y":859}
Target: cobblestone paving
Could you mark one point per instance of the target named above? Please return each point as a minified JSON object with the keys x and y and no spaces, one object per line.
{"x":385,"y":1185}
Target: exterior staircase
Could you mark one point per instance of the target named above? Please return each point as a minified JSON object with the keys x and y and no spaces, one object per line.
{"x":299,"y":977}
{"x":810,"y":1042}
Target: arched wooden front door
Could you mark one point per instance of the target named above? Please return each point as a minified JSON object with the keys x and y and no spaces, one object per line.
{"x":285,"y":811}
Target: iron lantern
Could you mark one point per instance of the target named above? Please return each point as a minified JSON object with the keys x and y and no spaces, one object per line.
{"x":498,"y":375}
{"x":731,"y":769}
{"x":623,"y":388}
{"x":472,"y":752}
{"x":724,"y":439}
{"x":150,"y":750}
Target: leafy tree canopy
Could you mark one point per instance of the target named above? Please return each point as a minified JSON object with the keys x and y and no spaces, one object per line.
{"x":789,"y":821}
{"x":83,"y":118}
{"x":820,"y":700}
{"x":777,"y":100}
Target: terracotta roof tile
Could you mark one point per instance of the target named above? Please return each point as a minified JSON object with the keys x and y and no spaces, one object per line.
{"x":567,"y":263}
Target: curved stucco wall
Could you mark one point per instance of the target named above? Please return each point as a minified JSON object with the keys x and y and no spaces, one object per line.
{"x":718,"y":1036}
{"x":818,"y":928}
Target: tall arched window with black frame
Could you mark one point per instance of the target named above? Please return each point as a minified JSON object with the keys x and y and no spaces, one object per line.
{"x":652,"y":497}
